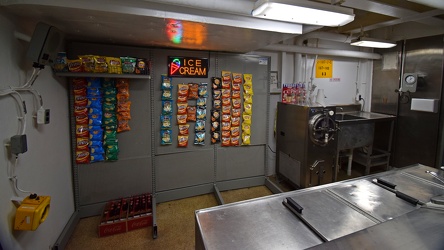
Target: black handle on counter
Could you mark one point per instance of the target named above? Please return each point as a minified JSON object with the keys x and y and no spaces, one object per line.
{"x":407,"y":198}
{"x":293,"y":204}
{"x":386,"y":183}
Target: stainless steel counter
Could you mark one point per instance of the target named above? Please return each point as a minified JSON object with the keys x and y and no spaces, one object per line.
{"x":336,"y":214}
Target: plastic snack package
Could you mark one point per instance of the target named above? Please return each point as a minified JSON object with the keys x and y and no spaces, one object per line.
{"x":248,"y":108}
{"x":199,"y":138}
{"x":82,"y":143}
{"x":203,"y":89}
{"x":110,"y":92}
{"x":142,"y":66}
{"x":246,"y":139}
{"x":191,"y":113}
{"x":124,"y":106}
{"x":165,"y":137}
{"x":109,"y":107}
{"x":201,"y":102}
{"x":97,"y":157}
{"x":165,"y":121}
{"x":97,"y":150}
{"x":226,"y":126}
{"x":128,"y":64}
{"x":236,"y":94}
{"x":182,"y":89}
{"x":110,"y":99}
{"x":95,"y":119}
{"x":215,"y":126}
{"x":93,"y":82}
{"x":100,"y":65}
{"x":80,"y":100}
{"x":81,"y":111}
{"x":82,"y":130}
{"x":182,"y":108}
{"x":226,"y":109}
{"x":109,"y":118}
{"x":166,"y":82}
{"x":193,"y":92}
{"x":181,"y":119}
{"x":110,"y":135}
{"x":248,"y":79}
{"x":226,"y":102}
{"x":124,"y":115}
{"x":108,"y":82}
{"x":182,"y":98}
{"x":226,"y":133}
{"x":87,"y":63}
{"x":82,"y":157}
{"x":235,"y":141}
{"x":167,"y":107}
{"x":215,"y":137}
{"x":226,"y":117}
{"x":216,"y":83}
{"x":95,"y":144}
{"x":246,"y":118}
{"x":184,"y":129}
{"x":79,"y":91}
{"x":93,"y":92}
{"x":217,"y":94}
{"x":235,"y":112}
{"x":226,"y":93}
{"x":248,"y":89}
{"x":237,"y":81}
{"x":237,"y":103}
{"x":82,"y":119}
{"x":217,"y":104}
{"x":114,"y":65}
{"x":199,"y":126}
{"x":226,"y":79}
{"x":123,"y":125}
{"x":75,"y":66}
{"x":235,"y":121}
{"x":201,"y":113}
{"x":235,"y":131}
{"x":182,"y":140}
{"x":215,"y":115}
{"x":246,"y":129}
{"x":95,"y":133}
{"x":248,"y":98}
{"x":226,"y":141}
{"x":94,"y":102}
{"x":167,"y":94}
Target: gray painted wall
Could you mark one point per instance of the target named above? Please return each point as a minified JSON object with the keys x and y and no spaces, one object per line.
{"x":46,"y":167}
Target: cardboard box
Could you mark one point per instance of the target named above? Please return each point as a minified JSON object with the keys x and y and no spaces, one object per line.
{"x":114,"y":218}
{"x":127,"y":214}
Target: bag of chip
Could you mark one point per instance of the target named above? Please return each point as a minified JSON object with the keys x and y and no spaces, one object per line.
{"x":82,"y":130}
{"x":165,"y":121}
{"x":128,"y":64}
{"x":216,"y":83}
{"x":226,"y":109}
{"x":235,"y":141}
{"x":165,"y":137}
{"x":82,"y":157}
{"x":201,"y":113}
{"x":87,"y":63}
{"x":199,"y":138}
{"x":123,"y":125}
{"x":182,"y":89}
{"x":235,"y":131}
{"x":246,"y":139}
{"x":199,"y":125}
{"x":182,"y":108}
{"x":237,"y":103}
{"x":226,"y":141}
{"x":193,"y":92}
{"x":114,"y":65}
{"x":182,"y":140}
{"x":184,"y":129}
{"x":215,"y":137}
{"x":191,"y":113}
{"x":100,"y":65}
{"x":75,"y":66}
{"x":203,"y":89}
{"x":181,"y":119}
{"x":167,"y":107}
{"x":166,"y":82}
{"x":82,"y":143}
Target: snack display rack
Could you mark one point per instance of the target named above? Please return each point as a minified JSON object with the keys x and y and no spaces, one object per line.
{"x":144,"y":166}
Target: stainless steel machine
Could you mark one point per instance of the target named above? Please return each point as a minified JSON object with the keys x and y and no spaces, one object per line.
{"x":305,"y":144}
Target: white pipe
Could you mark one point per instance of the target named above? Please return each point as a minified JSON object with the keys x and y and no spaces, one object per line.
{"x":22,"y":36}
{"x":322,"y":51}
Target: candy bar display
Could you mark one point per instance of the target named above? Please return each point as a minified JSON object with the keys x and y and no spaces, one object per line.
{"x":167,"y":111}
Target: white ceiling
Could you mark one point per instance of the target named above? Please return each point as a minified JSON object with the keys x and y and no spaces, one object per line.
{"x":215,"y":25}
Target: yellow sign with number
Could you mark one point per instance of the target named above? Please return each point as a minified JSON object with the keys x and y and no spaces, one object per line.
{"x":324,"y":68}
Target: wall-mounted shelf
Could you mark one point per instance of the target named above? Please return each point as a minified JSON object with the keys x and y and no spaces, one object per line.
{"x":86,"y":74}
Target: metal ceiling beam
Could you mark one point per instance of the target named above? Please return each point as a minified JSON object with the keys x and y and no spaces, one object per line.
{"x":404,"y":15}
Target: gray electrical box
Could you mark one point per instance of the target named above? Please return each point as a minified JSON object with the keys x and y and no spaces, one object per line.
{"x":44,"y":44}
{"x":18,"y":144}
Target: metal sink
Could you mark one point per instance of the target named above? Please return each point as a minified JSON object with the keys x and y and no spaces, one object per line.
{"x":347,"y":117}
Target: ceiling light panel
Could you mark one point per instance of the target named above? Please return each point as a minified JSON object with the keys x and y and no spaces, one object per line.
{"x":304,"y":12}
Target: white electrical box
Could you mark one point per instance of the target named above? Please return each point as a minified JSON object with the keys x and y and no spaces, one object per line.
{"x":44,"y":44}
{"x":425,"y":105}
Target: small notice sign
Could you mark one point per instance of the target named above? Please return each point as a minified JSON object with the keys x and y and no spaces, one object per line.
{"x":324,"y":68}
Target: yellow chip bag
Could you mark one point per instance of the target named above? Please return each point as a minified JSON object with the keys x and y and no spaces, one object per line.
{"x":100,"y":65}
{"x":114,"y":65}
{"x":248,"y":108}
{"x":246,"y":119}
{"x":246,"y":129}
{"x":246,"y":139}
{"x":248,"y":98}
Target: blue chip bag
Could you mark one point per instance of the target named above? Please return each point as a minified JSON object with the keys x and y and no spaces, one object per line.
{"x":199,"y":138}
{"x":166,"y":137}
{"x":95,"y":119}
{"x":95,"y":133}
{"x":93,"y":82}
{"x":97,"y":157}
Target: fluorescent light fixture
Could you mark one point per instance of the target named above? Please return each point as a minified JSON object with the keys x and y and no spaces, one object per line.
{"x":302,"y":11}
{"x":372,"y":42}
